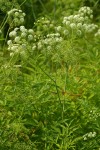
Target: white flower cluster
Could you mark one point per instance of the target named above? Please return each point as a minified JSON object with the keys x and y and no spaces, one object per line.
{"x":94,"y":114}
{"x":80,"y":23}
{"x":44,"y":25}
{"x":97,"y":34}
{"x":52,"y":38}
{"x":86,"y":11}
{"x":20,"y":39}
{"x":49,"y":41}
{"x":89,"y":28}
{"x":15,"y":17}
{"x":89,"y":135}
{"x":43,"y":21}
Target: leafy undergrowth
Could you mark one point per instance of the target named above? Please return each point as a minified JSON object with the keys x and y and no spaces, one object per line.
{"x":50,"y":81}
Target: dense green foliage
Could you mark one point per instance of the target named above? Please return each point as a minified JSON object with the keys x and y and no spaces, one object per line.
{"x":49,"y":76}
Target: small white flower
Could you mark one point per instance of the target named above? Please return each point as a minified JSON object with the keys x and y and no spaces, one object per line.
{"x":57,"y":39}
{"x":51,"y":25}
{"x":76,"y":17}
{"x":23,"y":34}
{"x":60,"y":39}
{"x":9,"y":48}
{"x":30,"y":37}
{"x":24,"y":46}
{"x":24,"y":14}
{"x":14,"y":48}
{"x":98,"y":30}
{"x":91,"y":16}
{"x":39,"y":45}
{"x":66,"y":18}
{"x":81,"y":19}
{"x":17,"y":39}
{"x":9,"y":12}
{"x":89,"y":12}
{"x":96,"y":26}
{"x":86,"y":18}
{"x":30,"y":31}
{"x":22,"y":28}
{"x":84,"y":26}
{"x":89,"y":134}
{"x":14,"y":9}
{"x":57,"y":34}
{"x":16,"y":20}
{"x":79,"y":25}
{"x":16,"y":14}
{"x":70,"y":17}
{"x":64,"y":21}
{"x":85,"y":138}
{"x":45,"y":41}
{"x":34,"y":47}
{"x":73,"y":25}
{"x":81,"y":9}
{"x":12,"y":34}
{"x":66,"y":32}
{"x":49,"y":48}
{"x":94,"y":134}
{"x":21,"y":19}
{"x":67,"y":23}
{"x":17,"y":50}
{"x":11,"y":54}
{"x":20,"y":10}
{"x":82,"y":14}
{"x":23,"y":53}
{"x":79,"y":33}
{"x":89,"y":30}
{"x":93,"y":27}
{"x":9,"y":42}
{"x":16,"y":29}
{"x":85,"y":11}
{"x":48,"y":35}
{"x":58,"y":28}
{"x":46,"y":22}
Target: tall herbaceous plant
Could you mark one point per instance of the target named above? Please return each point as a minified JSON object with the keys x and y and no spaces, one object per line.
{"x":50,"y":83}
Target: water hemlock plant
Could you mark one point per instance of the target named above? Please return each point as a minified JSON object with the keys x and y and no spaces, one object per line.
{"x":50,"y":81}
